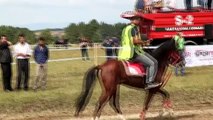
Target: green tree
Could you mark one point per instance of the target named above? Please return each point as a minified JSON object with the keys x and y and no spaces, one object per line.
{"x":13,"y":32}
{"x":97,"y":36}
{"x":91,"y":29}
{"x":72,"y":33}
{"x":46,"y":34}
{"x":119,"y":28}
{"x":94,"y":31}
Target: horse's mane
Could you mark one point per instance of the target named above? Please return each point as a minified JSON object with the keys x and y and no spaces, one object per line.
{"x":164,"y":49}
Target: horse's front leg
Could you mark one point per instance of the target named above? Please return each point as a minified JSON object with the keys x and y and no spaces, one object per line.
{"x":146,"y":104}
{"x":167,"y":104}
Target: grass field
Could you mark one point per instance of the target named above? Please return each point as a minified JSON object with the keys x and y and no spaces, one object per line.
{"x":193,"y":91}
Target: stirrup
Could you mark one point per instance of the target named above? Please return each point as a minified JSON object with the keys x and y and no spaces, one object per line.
{"x":152,"y":85}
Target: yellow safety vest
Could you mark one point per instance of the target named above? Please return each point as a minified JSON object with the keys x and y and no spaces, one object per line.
{"x":128,"y":47}
{"x":127,"y":50}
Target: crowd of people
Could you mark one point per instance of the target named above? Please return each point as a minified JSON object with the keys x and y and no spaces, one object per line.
{"x":151,"y":6}
{"x":22,"y":53}
{"x":110,"y":44}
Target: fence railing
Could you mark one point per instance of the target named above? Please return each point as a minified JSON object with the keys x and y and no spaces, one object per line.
{"x":201,"y":55}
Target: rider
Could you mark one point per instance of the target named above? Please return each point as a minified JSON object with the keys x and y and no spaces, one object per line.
{"x":132,"y":50}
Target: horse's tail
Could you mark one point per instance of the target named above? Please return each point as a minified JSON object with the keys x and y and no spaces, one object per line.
{"x":86,"y":93}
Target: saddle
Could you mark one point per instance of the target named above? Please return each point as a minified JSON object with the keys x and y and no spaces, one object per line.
{"x":134,"y":68}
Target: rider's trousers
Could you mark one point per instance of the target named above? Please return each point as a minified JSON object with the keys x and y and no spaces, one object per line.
{"x":151,"y":65}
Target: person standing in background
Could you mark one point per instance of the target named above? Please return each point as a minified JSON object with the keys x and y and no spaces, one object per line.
{"x":169,"y":5}
{"x":209,"y":4}
{"x":181,"y":47}
{"x":202,"y":3}
{"x":116,"y":44}
{"x":188,"y":4}
{"x":139,"y":6}
{"x":108,"y":44}
{"x":6,"y":60}
{"x":22,"y":53}
{"x":41,"y":56}
{"x":84,"y":43}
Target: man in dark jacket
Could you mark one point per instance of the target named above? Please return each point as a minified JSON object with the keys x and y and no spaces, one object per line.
{"x":5,"y":60}
{"x":41,"y":56}
{"x":108,"y":44}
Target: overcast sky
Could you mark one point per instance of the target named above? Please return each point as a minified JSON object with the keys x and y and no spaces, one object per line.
{"x":40,"y":14}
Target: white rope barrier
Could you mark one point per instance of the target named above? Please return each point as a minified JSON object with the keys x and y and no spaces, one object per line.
{"x":95,"y":57}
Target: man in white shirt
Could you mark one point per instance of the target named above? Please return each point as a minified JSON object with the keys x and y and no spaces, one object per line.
{"x":22,"y":53}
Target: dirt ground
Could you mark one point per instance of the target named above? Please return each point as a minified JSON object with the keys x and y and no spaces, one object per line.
{"x":196,"y":114}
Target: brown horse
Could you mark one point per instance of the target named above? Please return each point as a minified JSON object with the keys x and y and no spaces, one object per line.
{"x":112,"y":74}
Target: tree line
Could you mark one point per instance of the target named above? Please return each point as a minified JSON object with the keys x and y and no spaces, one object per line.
{"x":93,"y":30}
{"x":13,"y":32}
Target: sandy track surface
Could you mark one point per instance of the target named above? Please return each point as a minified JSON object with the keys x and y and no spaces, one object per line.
{"x":178,"y":115}
{"x":206,"y":114}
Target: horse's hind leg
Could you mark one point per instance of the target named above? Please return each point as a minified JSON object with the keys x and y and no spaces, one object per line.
{"x":102,"y":100}
{"x":114,"y":103}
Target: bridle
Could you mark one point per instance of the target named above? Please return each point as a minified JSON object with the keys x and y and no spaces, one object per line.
{"x":174,"y":55}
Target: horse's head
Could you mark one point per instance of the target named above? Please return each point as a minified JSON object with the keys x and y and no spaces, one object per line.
{"x":167,"y":53}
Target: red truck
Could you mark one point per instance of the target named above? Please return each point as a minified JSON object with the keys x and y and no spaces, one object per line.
{"x":164,"y":25}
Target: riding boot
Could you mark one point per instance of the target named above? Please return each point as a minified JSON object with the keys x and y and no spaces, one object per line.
{"x":152,"y":85}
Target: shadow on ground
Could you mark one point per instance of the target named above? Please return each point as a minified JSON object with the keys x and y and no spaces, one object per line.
{"x":180,"y":117}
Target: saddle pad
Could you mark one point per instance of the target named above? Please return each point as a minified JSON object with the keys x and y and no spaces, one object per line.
{"x":134,"y":69}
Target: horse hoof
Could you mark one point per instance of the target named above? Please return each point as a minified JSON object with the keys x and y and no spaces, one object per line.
{"x":171,"y":113}
{"x":96,"y":118}
{"x":76,"y":114}
{"x":142,"y":116}
{"x":162,"y":112}
{"x":121,"y":117}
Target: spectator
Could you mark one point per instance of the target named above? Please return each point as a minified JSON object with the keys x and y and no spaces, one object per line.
{"x":153,"y":6}
{"x":22,"y":53}
{"x":41,"y":56}
{"x":142,"y":5}
{"x":148,"y":6}
{"x":180,"y":46}
{"x":84,"y":43}
{"x":188,"y":4}
{"x":6,"y":60}
{"x":169,"y":5}
{"x":116,"y":44}
{"x":158,"y":3}
{"x":139,"y":6}
{"x":108,"y":44}
{"x":209,"y":4}
{"x":202,"y":3}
